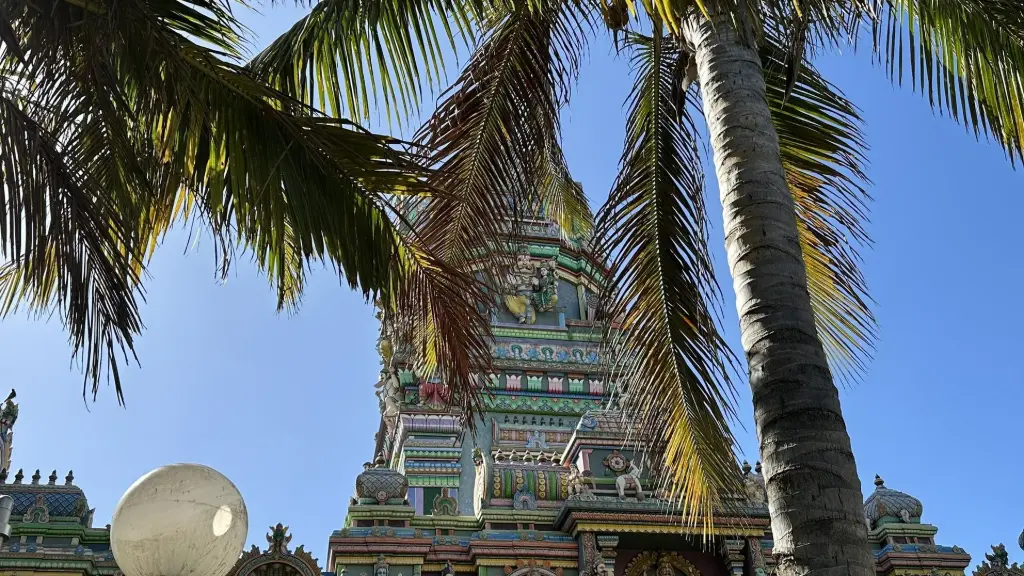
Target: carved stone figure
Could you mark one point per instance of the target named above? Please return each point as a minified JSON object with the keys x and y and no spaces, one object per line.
{"x":536,"y":440}
{"x":579,"y":485}
{"x":535,"y":288}
{"x":599,"y":568}
{"x":665,"y":568}
{"x":390,"y":394}
{"x":381,"y":567}
{"x":8,"y":416}
{"x":630,"y":480}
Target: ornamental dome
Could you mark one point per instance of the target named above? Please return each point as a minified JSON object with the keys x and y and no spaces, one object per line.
{"x":380,"y":484}
{"x":887,"y":506}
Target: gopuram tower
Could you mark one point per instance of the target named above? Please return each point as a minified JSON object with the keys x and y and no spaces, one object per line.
{"x":547,"y":485}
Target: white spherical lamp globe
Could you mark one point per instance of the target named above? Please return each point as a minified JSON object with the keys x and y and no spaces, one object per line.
{"x":179,"y":520}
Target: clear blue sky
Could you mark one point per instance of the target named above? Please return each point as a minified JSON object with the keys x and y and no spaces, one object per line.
{"x":284,"y":405}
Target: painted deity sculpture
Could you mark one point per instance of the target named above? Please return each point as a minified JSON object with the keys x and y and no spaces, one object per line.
{"x":630,"y":480}
{"x":390,"y":394}
{"x":536,"y":288}
{"x":579,"y":485}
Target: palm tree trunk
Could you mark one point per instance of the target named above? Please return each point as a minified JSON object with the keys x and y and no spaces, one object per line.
{"x":814,"y":493}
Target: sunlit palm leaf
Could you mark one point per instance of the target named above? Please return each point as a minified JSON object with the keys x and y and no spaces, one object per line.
{"x":654,"y":227}
{"x":350,"y":57}
{"x":495,"y":125}
{"x":823,"y":153}
{"x":562,"y":198}
{"x":178,"y":131}
{"x":967,"y":56}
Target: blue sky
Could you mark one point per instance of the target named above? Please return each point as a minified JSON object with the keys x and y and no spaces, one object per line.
{"x":284,"y":405}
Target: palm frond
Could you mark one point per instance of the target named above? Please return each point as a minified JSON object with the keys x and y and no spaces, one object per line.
{"x":440,"y":312}
{"x":966,"y":56}
{"x":654,"y":228}
{"x":350,"y":57}
{"x":562,"y":198}
{"x":489,"y":135}
{"x":179,"y":132}
{"x":62,"y":239}
{"x":823,"y":152}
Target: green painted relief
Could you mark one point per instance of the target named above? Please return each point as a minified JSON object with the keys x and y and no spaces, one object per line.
{"x":545,"y":485}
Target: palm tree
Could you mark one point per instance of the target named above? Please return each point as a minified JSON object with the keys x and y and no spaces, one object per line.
{"x":121,"y":119}
{"x":263,"y":154}
{"x":789,"y":158}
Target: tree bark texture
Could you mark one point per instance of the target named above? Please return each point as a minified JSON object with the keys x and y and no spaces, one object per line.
{"x":814,"y":493}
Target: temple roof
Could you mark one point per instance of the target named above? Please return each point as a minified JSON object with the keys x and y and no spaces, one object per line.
{"x":885,"y":504}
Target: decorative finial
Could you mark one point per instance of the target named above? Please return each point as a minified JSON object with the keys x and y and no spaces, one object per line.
{"x":879,"y":482}
{"x":53,"y":478}
{"x":998,"y":559}
{"x":278,"y":538}
{"x":19,"y":476}
{"x":69,"y":478}
{"x":3,"y":475}
{"x":757,"y":467}
{"x":746,"y":468}
{"x":380,"y":462}
{"x":36,"y":477}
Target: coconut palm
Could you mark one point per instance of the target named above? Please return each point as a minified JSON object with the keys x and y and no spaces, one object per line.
{"x":121,"y":119}
{"x":267,"y":155}
{"x":788,"y":154}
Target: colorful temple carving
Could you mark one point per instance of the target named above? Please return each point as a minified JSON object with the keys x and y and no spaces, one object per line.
{"x":544,"y":484}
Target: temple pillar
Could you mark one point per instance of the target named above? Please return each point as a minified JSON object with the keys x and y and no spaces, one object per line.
{"x":589,"y":554}
{"x":754,"y":553}
{"x":607,"y":546}
{"x":732,"y":555}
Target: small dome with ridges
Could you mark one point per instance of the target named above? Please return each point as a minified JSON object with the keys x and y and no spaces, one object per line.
{"x":888,"y":506}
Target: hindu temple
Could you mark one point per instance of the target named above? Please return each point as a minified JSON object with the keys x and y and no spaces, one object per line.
{"x":544,"y":484}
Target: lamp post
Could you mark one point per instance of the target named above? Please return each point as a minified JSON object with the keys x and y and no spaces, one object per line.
{"x":6,"y":506}
{"x":179,"y":520}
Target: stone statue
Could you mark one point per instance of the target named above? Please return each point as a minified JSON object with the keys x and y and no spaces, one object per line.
{"x":905,"y":515}
{"x":665,"y":568}
{"x":537,"y":440}
{"x":580,"y":486}
{"x":8,"y":416}
{"x":381,"y":567}
{"x":631,"y":480}
{"x":535,"y":287}
{"x":390,"y":394}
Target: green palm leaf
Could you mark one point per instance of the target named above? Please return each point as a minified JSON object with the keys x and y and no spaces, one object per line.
{"x":562,"y":197}
{"x":967,"y":56}
{"x":61,"y":238}
{"x":492,"y":135}
{"x":177,"y":132}
{"x":352,"y":56}
{"x":823,"y":153}
{"x":654,"y":227}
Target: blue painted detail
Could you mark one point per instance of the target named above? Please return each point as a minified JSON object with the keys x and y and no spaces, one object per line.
{"x":58,"y":503}
{"x":31,"y":548}
{"x":588,"y":422}
{"x":80,"y":550}
{"x":14,"y":547}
